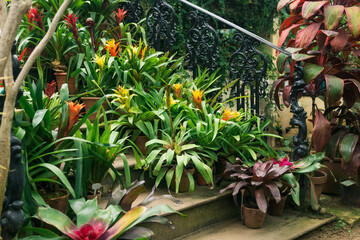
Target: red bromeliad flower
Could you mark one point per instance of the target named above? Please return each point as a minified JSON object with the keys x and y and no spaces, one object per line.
{"x":50,"y":89}
{"x":34,"y":16}
{"x":89,"y":231}
{"x":70,"y":21}
{"x":120,"y":15}
{"x":22,"y":55}
{"x":283,"y":161}
{"x":74,"y":114}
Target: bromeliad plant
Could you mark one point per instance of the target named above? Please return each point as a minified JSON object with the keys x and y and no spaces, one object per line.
{"x":262,"y":180}
{"x":94,"y":223}
{"x":326,"y":40}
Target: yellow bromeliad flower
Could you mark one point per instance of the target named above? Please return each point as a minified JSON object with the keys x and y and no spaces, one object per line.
{"x":123,"y":97}
{"x":112,"y":47}
{"x":100,"y":61}
{"x":197,"y":96}
{"x":137,"y":50}
{"x":172,"y":101}
{"x":177,"y":88}
{"x":228,"y":114}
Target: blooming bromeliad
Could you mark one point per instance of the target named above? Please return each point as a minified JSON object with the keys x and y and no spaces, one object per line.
{"x":229,"y":114}
{"x":123,"y":97}
{"x":74,"y":114}
{"x":120,"y":15}
{"x":34,"y":16}
{"x":70,"y":21}
{"x":177,"y":89}
{"x":50,"y":90}
{"x":112,"y":47}
{"x":137,"y":50}
{"x":100,"y":61}
{"x":197,"y":97}
{"x":285,"y":161}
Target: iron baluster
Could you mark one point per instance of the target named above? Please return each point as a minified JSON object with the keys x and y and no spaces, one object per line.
{"x":134,"y":11}
{"x":300,"y":144}
{"x":161,"y":26}
{"x":202,"y":44}
{"x":250,"y":66}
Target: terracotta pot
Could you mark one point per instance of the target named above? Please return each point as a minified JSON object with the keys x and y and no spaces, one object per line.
{"x":61,"y":79}
{"x":200,"y":180}
{"x":59,"y":203}
{"x":350,"y":195}
{"x":184,"y":181}
{"x":276,"y":209}
{"x":89,"y":102}
{"x":332,"y":187}
{"x":253,"y":217}
{"x":140,"y":142}
{"x":319,"y":181}
{"x":92,"y":196}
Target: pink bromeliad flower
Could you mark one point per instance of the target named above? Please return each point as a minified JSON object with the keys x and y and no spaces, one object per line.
{"x":285,"y":161}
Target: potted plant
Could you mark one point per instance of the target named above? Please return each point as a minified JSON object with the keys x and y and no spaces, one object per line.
{"x":260,"y":181}
{"x":324,"y":37}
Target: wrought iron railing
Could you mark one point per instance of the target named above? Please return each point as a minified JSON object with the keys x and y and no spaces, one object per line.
{"x":247,"y":63}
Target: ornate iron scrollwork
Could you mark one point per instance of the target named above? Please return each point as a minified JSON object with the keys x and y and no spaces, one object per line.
{"x":161,"y":23}
{"x":134,"y":11}
{"x":12,"y":216}
{"x":202,"y":43}
{"x":300,"y":144}
{"x":249,"y":65}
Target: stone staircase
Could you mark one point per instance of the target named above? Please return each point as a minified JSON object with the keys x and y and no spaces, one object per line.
{"x":211,"y":215}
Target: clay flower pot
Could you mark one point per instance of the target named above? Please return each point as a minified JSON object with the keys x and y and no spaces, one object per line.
{"x":61,"y":79}
{"x":184,"y":185}
{"x":200,"y":180}
{"x":253,"y":217}
{"x":92,"y":196}
{"x":60,"y":202}
{"x":332,"y":187}
{"x":319,"y":181}
{"x":89,"y":102}
{"x":140,"y":142}
{"x":276,"y":209}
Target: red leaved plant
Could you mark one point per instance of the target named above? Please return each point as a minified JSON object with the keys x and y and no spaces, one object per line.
{"x":326,"y":39}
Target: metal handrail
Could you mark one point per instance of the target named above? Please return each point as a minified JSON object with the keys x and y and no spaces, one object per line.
{"x":270,"y":44}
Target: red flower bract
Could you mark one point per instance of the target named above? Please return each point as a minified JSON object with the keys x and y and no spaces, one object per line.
{"x":50,"y":89}
{"x":120,"y":15}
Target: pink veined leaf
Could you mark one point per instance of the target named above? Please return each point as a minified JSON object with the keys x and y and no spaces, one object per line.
{"x":334,"y":89}
{"x":333,"y":14}
{"x":333,"y":145}
{"x":261,"y":200}
{"x":295,"y":4}
{"x":353,"y":16}
{"x":275,"y":192}
{"x":321,"y":132}
{"x":282,"y":3}
{"x":289,"y":21}
{"x":306,"y":35}
{"x":309,"y":9}
{"x":339,"y":42}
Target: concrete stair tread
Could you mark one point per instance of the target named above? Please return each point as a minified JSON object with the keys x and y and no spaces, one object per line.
{"x":119,"y":163}
{"x":290,"y":225}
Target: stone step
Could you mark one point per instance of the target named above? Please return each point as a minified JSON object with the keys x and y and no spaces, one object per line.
{"x":290,"y":225}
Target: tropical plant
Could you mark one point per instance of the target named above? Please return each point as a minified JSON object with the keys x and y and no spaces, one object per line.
{"x":326,"y":40}
{"x":94,"y":222}
{"x":261,"y":181}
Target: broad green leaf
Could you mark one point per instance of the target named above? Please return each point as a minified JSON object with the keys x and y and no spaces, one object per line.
{"x":281,"y":61}
{"x":56,"y":219}
{"x":334,"y":89}
{"x":347,"y":146}
{"x":301,"y":57}
{"x":39,"y":117}
{"x":353,"y":16}
{"x":76,"y":204}
{"x":333,"y":14}
{"x":311,"y":71}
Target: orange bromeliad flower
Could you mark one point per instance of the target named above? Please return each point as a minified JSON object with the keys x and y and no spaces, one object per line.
{"x":112,"y":47}
{"x":177,"y":88}
{"x":74,"y":114}
{"x":228,"y":114}
{"x":197,"y":96}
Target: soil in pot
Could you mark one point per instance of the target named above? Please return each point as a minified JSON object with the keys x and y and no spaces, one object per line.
{"x":319,"y":180}
{"x":253,"y":217}
{"x":57,"y":200}
{"x":89,"y":102}
{"x":331,"y":186}
{"x":276,"y":209}
{"x":184,"y":185}
{"x":61,"y":79}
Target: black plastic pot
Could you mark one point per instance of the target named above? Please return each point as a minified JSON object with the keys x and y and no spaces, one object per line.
{"x":350,"y":194}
